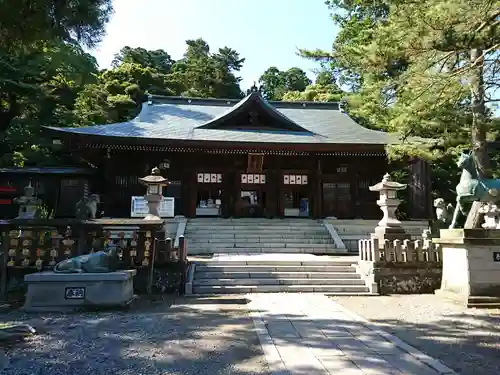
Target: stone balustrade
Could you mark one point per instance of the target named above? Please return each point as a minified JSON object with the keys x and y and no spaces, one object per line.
{"x":397,"y":251}
{"x":401,"y":267}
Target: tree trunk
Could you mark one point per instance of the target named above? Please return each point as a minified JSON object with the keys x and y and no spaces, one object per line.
{"x":478,"y":127}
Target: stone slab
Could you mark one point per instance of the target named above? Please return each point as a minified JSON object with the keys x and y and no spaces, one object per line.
{"x":45,"y":277}
{"x":49,"y":291}
{"x":311,"y":334}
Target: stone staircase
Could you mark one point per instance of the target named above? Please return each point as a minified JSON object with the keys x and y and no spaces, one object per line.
{"x":232,"y":236}
{"x":266,"y":273}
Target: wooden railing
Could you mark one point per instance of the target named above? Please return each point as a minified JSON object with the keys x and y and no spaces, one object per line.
{"x":40,"y":244}
{"x":398,"y":251}
{"x":36,"y":245}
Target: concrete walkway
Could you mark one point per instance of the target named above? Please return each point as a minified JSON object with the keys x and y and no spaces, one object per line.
{"x":309,"y":334}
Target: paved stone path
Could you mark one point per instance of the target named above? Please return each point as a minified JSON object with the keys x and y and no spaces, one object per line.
{"x":310,"y":334}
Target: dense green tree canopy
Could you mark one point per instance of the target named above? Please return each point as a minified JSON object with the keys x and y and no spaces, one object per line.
{"x":425,"y":69}
{"x":28,"y":21}
{"x":42,"y":67}
{"x":275,"y":83}
{"x":157,"y":59}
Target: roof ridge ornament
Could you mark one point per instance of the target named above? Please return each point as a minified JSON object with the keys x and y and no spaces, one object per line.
{"x":254,"y":88}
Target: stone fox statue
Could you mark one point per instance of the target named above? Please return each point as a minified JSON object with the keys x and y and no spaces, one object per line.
{"x":443,"y":211}
{"x":86,"y":208}
{"x":99,"y":262}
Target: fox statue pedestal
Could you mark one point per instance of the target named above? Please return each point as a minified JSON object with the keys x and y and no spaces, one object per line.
{"x":471,"y":266}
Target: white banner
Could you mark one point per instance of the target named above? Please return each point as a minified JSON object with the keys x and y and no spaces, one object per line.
{"x":139,"y":207}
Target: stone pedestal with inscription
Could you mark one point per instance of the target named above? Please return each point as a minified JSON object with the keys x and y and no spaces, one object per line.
{"x":471,"y":266}
{"x":61,"y":292}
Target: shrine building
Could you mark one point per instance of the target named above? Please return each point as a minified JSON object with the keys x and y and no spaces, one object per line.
{"x":239,"y":158}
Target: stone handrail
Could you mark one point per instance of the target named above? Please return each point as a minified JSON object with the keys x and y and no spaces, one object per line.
{"x":181,"y":228}
{"x":397,"y":251}
{"x":339,"y":244}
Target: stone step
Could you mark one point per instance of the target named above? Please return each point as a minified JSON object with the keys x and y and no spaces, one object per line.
{"x":272,"y":268}
{"x":252,"y":234}
{"x":268,"y":223}
{"x":259,"y":281}
{"x":279,"y":262}
{"x":258,"y":239}
{"x":239,"y":289}
{"x":352,"y":275}
{"x":260,"y":250}
{"x":250,"y":245}
{"x":282,"y":228}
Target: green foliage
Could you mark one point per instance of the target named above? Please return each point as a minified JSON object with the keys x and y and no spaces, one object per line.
{"x":39,"y":87}
{"x":205,"y":74}
{"x":119,"y":91}
{"x":420,"y":69}
{"x":158,"y":59}
{"x":276,"y":83}
{"x":315,"y":93}
{"x":29,"y":21}
{"x":46,"y":78}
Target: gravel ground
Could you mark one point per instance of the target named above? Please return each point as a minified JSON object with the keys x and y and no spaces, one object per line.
{"x":206,"y":336}
{"x":467,"y":340}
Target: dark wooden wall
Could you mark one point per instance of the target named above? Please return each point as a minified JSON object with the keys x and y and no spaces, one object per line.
{"x":346,"y":177}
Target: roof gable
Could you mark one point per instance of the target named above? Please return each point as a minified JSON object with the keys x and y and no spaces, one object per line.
{"x":254,"y":113}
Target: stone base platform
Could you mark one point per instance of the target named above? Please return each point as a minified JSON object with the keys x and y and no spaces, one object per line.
{"x":479,"y":302}
{"x":58,"y":292}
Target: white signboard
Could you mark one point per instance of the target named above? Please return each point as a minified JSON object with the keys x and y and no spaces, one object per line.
{"x":139,"y":207}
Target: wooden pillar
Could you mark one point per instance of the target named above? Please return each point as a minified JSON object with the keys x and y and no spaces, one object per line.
{"x":279,"y":187}
{"x":318,"y":201}
{"x":233,"y":187}
{"x":186,"y":192}
{"x":107,"y":177}
{"x":193,"y":194}
{"x":228,"y":193}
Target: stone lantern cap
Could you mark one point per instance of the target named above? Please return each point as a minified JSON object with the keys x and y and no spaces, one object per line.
{"x":387,"y":184}
{"x":154,"y":178}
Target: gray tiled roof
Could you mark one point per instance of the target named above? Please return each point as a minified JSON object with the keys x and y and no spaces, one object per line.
{"x":181,"y":119}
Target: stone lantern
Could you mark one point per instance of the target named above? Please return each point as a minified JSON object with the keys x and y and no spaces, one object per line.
{"x":154,"y":184}
{"x":28,"y":204}
{"x":389,"y":227}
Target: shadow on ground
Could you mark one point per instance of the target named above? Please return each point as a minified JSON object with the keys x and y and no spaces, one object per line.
{"x":214,"y":336}
{"x":469,"y":345}
{"x":182,"y":336}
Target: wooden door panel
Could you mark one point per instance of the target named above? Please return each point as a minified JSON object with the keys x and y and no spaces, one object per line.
{"x":337,"y":199}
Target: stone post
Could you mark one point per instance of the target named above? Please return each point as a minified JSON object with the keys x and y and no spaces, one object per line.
{"x":154,"y":184}
{"x":471,"y":266}
{"x":389,"y":228}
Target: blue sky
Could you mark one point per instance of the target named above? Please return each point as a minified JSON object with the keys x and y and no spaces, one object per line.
{"x":265,"y":32}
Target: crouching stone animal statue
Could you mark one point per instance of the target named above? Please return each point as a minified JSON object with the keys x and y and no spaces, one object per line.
{"x":99,"y":262}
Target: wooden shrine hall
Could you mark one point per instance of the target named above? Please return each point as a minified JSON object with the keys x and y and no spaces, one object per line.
{"x":239,"y":158}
